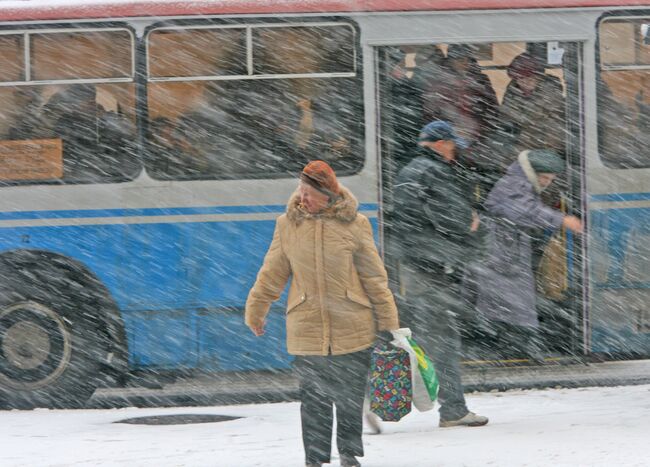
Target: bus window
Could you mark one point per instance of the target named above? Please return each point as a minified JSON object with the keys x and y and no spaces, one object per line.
{"x":182,"y":52}
{"x":69,"y":114}
{"x":12,"y":58}
{"x":81,"y":55}
{"x":314,"y":50}
{"x":212,"y":117}
{"x":624,"y":92}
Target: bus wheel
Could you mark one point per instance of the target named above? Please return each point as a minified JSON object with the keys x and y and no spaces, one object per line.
{"x":48,"y":350}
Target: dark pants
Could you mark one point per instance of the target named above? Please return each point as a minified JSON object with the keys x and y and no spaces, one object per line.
{"x":432,"y":305}
{"x":326,"y":381}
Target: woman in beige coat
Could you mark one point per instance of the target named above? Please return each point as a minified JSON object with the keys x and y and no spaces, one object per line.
{"x":338,"y":302}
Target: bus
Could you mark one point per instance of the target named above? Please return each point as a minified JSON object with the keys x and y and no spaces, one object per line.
{"x":146,"y":148}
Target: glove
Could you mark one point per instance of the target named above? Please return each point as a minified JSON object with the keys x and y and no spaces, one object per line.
{"x":384,"y":337}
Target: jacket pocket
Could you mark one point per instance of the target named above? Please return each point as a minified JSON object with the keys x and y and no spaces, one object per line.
{"x":299,"y":299}
{"x":358,"y":298}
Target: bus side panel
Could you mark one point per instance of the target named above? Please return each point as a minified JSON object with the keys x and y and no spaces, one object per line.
{"x":170,"y":281}
{"x":181,"y":288}
{"x":227,"y":257}
{"x":620,"y":278}
{"x":226,"y":344}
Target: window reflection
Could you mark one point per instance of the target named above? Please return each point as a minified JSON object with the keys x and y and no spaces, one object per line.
{"x":624,"y":93}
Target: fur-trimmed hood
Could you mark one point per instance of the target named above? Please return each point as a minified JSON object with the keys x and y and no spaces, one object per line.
{"x":344,"y":209}
{"x":530,"y":173}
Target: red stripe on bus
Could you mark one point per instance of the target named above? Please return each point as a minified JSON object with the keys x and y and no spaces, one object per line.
{"x":39,"y":10}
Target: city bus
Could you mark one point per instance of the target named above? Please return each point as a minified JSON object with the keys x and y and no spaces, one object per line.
{"x":146,"y":148}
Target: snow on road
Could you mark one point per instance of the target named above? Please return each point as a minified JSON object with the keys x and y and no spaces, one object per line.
{"x":556,"y":427}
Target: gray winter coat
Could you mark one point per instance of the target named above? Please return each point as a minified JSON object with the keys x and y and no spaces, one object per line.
{"x":506,"y":284}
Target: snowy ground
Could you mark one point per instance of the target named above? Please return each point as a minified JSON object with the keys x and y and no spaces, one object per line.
{"x":558,"y":427}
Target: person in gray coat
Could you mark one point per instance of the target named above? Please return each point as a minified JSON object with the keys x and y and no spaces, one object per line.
{"x":506,"y":294}
{"x":435,"y":227}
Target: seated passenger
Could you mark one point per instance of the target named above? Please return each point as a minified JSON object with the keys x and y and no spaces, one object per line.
{"x":170,"y":154}
{"x":623,"y":130}
{"x":28,"y":123}
{"x":116,"y":145}
{"x":217,"y":130}
{"x":96,"y":144}
{"x":324,"y":128}
{"x":77,"y":128}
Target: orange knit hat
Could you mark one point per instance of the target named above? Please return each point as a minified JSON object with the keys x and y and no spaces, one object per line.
{"x":321,"y":176}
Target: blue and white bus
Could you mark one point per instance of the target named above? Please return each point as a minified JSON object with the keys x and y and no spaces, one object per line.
{"x":147,"y":147}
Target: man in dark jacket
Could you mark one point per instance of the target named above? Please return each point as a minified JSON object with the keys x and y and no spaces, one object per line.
{"x":435,"y":226}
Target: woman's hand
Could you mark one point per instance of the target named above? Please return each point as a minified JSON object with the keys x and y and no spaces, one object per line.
{"x":384,"y":337}
{"x":572,"y":223}
{"x":258,"y":330}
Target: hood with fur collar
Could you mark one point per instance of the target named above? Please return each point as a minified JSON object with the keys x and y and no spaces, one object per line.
{"x":530,"y":173}
{"x":344,"y":209}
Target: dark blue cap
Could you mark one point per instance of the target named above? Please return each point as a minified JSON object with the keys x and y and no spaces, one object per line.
{"x":441,"y":130}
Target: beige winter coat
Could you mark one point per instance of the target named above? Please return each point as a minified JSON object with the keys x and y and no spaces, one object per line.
{"x":339,"y":290}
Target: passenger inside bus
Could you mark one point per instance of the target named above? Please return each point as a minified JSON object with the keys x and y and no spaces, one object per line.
{"x":313,"y":116}
{"x":28,"y":121}
{"x":624,"y":127}
{"x":462,"y":94}
{"x":253,"y":126}
{"x":170,"y":152}
{"x":96,"y":143}
{"x":283,"y":111}
{"x":532,"y":112}
{"x":623,"y":97}
{"x":231,"y":128}
{"x":409,"y":69}
{"x":326,"y":133}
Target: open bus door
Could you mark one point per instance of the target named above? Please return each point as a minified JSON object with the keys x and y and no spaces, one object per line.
{"x":407,"y":77}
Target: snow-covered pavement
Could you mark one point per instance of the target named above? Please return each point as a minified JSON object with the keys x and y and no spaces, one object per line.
{"x":556,"y":427}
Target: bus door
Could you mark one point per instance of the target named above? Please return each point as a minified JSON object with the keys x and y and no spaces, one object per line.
{"x":504,"y":98}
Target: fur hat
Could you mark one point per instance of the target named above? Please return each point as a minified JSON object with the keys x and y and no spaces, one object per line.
{"x":319,"y":175}
{"x":545,"y":161}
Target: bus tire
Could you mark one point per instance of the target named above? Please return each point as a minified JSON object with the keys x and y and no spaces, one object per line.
{"x":49,"y":346}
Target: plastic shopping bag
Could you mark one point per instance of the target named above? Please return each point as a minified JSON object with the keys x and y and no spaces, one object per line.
{"x":426,"y":369}
{"x":391,"y":392}
{"x":424,"y":380}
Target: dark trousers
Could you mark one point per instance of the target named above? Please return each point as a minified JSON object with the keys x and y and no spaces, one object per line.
{"x":431,"y":306}
{"x":327,"y":381}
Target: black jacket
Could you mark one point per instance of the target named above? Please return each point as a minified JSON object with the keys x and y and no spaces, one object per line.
{"x":433,"y":211}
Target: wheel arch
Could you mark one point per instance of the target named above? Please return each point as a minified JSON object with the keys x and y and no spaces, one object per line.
{"x":110,"y":325}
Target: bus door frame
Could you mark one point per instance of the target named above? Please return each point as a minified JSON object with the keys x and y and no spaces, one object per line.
{"x":575,"y":149}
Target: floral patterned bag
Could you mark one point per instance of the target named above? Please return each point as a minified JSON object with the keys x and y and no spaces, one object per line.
{"x":391,"y":391}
